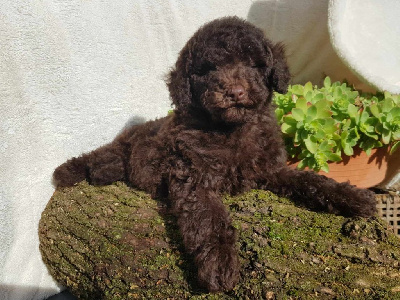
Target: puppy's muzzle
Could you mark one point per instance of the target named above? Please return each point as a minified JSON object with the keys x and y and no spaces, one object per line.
{"x":237,"y":93}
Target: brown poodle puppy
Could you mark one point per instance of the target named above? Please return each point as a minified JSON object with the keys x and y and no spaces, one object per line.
{"x":222,"y":138}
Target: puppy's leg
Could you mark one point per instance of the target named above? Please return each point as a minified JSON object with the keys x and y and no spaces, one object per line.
{"x":321,"y":193}
{"x":101,"y":166}
{"x":206,"y":230}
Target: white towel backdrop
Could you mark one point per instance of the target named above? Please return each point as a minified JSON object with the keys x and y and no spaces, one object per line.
{"x":74,"y":72}
{"x":366,"y":35}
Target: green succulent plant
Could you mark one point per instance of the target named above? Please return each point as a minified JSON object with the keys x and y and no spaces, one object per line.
{"x":319,"y":125}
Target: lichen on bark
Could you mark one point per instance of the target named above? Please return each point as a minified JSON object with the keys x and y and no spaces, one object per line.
{"x":114,"y":242}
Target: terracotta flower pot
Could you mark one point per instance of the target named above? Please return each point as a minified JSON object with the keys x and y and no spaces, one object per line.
{"x":360,"y":169}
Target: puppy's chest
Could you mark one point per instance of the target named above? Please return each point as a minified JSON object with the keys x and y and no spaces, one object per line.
{"x":220,"y":152}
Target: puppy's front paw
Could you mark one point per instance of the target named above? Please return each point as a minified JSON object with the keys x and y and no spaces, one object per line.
{"x":70,"y":172}
{"x":218,"y":268}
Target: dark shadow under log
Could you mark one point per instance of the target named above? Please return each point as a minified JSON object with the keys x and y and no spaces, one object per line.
{"x":114,"y":242}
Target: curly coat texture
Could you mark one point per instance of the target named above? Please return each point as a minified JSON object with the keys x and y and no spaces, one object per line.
{"x":222,"y":138}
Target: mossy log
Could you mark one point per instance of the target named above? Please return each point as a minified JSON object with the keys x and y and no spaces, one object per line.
{"x":114,"y":242}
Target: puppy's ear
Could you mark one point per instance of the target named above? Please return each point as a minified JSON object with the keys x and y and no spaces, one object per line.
{"x":279,"y":75}
{"x":178,"y":82}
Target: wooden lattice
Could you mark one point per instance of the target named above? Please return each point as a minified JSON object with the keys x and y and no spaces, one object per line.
{"x":388,"y":206}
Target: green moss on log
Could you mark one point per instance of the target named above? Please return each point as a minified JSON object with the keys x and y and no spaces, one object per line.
{"x":114,"y":242}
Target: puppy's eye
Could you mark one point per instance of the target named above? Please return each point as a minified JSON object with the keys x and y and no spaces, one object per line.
{"x":205,"y":69}
{"x":259,"y":66}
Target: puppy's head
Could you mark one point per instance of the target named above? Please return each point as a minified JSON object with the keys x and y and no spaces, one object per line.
{"x":227,"y":72}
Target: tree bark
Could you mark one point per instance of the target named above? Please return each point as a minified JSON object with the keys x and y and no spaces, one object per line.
{"x":114,"y":242}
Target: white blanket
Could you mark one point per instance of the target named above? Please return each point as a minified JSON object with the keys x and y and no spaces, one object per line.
{"x":366,"y":35}
{"x":74,"y":72}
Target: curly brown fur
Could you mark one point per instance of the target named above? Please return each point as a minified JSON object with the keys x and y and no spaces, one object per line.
{"x":222,"y":138}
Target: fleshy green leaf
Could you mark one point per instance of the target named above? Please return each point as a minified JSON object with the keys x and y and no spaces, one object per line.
{"x":329,"y":126}
{"x":364,"y":116}
{"x":396,"y":135}
{"x":279,"y":113}
{"x":309,"y":97}
{"x":302,"y":104}
{"x":317,"y":97}
{"x":311,"y":146}
{"x":395,"y":112}
{"x":395,"y":146}
{"x":337,"y":92}
{"x":348,"y":150}
{"x":346,"y":125}
{"x":352,"y":110}
{"x":312,"y":112}
{"x":386,"y":135}
{"x":387,"y":95}
{"x":375,"y":110}
{"x":297,"y":114}
{"x":320,"y":134}
{"x":387,"y":105}
{"x":333,"y":157}
{"x":302,"y":164}
{"x":307,"y":88}
{"x":290,"y":120}
{"x":297,"y":90}
{"x":288,"y":128}
{"x":325,"y":167}
{"x":327,"y":82}
{"x":326,"y":146}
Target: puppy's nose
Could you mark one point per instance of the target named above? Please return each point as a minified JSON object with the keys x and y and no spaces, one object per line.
{"x":236,"y":92}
